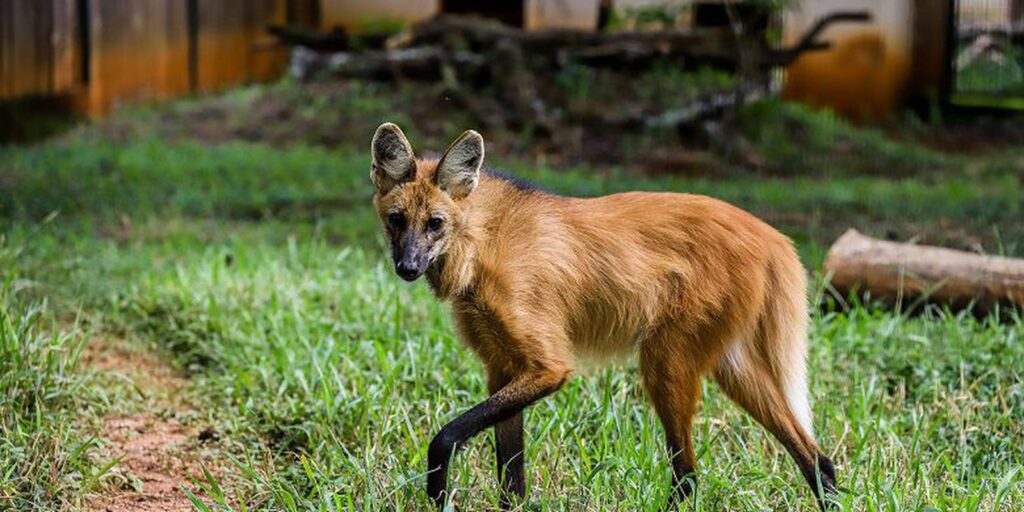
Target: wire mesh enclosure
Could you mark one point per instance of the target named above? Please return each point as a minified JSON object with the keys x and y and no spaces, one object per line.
{"x":988,"y":59}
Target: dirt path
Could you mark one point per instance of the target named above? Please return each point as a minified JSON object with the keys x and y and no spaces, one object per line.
{"x":159,"y":448}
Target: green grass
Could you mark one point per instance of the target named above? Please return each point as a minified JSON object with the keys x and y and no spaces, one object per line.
{"x":1001,"y":78}
{"x":346,"y":373}
{"x":44,"y":462}
{"x":261,"y":272}
{"x":796,"y":140}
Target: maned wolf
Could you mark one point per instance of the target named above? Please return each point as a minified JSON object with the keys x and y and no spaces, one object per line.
{"x":538,"y":281}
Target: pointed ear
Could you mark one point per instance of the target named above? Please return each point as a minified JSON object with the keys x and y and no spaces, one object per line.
{"x":393,"y":159}
{"x":459,"y":170}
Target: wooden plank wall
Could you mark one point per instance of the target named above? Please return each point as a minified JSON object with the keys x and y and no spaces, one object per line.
{"x":227,"y":31}
{"x":36,"y":52}
{"x":136,"y":49}
{"x":67,"y":57}
{"x":267,"y":59}
{"x":25,"y":57}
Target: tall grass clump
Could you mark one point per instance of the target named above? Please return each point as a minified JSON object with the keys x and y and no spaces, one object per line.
{"x":44,"y":462}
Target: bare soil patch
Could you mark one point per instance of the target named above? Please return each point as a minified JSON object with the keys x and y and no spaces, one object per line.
{"x":159,"y":452}
{"x":153,"y":376}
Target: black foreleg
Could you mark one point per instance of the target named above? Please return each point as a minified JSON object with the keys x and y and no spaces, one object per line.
{"x":509,"y":446}
{"x":503,"y":405}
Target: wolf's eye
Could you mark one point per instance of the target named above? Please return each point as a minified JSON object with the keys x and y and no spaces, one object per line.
{"x":396,"y":220}
{"x":435,"y":223}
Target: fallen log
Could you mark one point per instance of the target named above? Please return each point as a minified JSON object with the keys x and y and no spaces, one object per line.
{"x":293,"y":35}
{"x":701,"y":107}
{"x":465,"y":44}
{"x":907,"y":272}
{"x":719,"y":45}
{"x":557,"y":47}
{"x":422,"y":62}
{"x":486,"y":33}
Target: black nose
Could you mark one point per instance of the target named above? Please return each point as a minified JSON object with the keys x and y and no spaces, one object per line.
{"x":407,"y":270}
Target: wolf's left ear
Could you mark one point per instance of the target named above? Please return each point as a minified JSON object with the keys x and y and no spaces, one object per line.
{"x":393,"y":159}
{"x":459,"y":170}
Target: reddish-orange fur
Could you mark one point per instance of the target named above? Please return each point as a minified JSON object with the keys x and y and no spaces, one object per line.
{"x":695,"y":286}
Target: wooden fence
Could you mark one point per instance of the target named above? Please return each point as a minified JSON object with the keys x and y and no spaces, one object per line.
{"x":35,"y":55}
{"x":102,"y":52}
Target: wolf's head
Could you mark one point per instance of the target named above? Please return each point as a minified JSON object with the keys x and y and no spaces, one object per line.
{"x":421,"y":203}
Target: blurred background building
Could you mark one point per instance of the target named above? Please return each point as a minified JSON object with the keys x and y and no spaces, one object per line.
{"x":97,"y":53}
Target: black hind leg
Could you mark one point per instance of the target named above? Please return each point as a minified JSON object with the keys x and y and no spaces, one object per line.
{"x":822,"y":479}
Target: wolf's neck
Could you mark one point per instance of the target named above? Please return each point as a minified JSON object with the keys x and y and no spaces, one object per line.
{"x":454,"y":274}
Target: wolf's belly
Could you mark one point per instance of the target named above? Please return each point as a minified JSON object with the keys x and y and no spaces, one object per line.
{"x":600,"y":338}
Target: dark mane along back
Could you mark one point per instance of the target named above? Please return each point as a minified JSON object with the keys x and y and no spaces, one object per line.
{"x":517,"y":182}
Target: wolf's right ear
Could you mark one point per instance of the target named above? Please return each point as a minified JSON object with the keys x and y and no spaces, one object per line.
{"x":393,"y":159}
